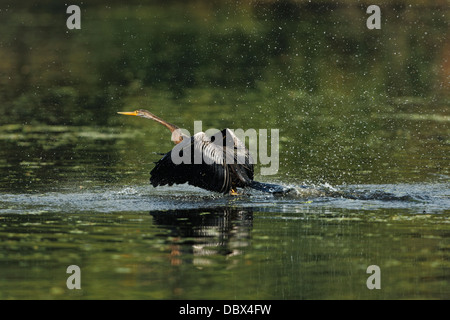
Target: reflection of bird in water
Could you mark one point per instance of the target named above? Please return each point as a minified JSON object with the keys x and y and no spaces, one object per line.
{"x":220,"y":170}
{"x":196,"y":234}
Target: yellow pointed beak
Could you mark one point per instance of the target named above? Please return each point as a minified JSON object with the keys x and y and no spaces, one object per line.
{"x":134,"y":113}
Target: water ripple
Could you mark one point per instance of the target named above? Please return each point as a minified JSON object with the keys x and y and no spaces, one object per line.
{"x":417,"y":198}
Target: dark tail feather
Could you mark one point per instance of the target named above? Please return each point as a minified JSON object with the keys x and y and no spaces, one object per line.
{"x":269,"y":187}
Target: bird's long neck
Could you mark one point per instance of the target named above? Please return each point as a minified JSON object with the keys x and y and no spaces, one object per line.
{"x":177,"y":135}
{"x":149,"y":115}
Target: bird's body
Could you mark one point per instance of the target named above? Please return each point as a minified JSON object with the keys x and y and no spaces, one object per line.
{"x":213,"y":172}
{"x":220,"y":163}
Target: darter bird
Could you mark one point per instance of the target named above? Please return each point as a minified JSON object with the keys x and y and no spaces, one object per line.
{"x":225,"y":163}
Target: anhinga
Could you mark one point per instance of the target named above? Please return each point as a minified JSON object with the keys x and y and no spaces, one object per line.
{"x":215,"y":172}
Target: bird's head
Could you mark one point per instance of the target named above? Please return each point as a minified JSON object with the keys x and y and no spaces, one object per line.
{"x":140,"y":113}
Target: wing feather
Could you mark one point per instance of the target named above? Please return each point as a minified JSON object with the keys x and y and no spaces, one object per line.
{"x":213,"y":176}
{"x":215,"y":171}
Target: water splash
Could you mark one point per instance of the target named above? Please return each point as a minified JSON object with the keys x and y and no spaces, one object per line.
{"x":417,"y":198}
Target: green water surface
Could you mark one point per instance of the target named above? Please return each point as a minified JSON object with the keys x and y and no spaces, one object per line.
{"x":363,"y":119}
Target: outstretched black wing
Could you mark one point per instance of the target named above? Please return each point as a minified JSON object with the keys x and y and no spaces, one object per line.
{"x":206,"y":163}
